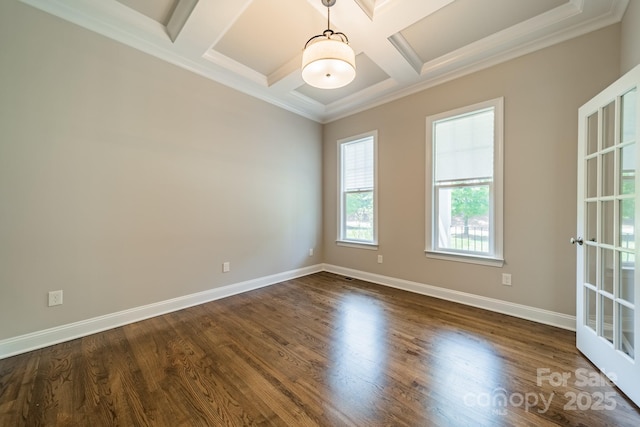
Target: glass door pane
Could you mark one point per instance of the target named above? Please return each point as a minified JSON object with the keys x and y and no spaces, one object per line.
{"x":591,"y":264}
{"x":606,"y":223}
{"x":606,"y":270}
{"x":606,"y":318}
{"x":628,"y":169}
{"x":592,"y":176}
{"x":627,"y":223}
{"x":608,"y":125}
{"x":592,"y":134}
{"x":626,"y":330}
{"x":608,"y":171}
{"x":627,"y":276}
{"x":591,"y":221}
{"x":628,"y":116}
{"x":590,"y":308}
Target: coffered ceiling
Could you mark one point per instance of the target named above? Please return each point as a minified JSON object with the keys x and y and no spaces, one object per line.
{"x":402,"y":46}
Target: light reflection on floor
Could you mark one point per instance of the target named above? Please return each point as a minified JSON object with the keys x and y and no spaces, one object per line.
{"x":470,"y":371}
{"x":359,"y":357}
{"x":461,"y":369}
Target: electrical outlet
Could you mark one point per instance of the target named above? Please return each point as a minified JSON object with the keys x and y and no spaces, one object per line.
{"x":379,"y":259}
{"x":310,"y":251}
{"x":506,"y":279}
{"x":55,"y":298}
{"x":226,"y":267}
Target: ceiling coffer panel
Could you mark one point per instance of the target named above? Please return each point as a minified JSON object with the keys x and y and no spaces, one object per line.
{"x":269,"y":33}
{"x":158,"y":10}
{"x":463,"y":22}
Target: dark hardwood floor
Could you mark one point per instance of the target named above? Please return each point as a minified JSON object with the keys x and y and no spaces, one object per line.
{"x":319,"y":350}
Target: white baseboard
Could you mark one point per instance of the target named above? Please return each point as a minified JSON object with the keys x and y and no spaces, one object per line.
{"x":35,"y":340}
{"x":546,"y":317}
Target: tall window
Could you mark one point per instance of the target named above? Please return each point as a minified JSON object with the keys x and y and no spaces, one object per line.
{"x":464,"y":183}
{"x":357,"y":218}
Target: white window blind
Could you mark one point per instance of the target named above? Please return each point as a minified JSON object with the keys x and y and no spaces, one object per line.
{"x":464,"y":147}
{"x":358,"y":165}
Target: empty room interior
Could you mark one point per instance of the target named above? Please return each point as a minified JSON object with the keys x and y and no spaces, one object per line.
{"x":206,"y":221}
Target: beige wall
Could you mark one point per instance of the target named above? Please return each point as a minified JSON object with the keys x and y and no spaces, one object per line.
{"x":630,"y":38}
{"x":542,"y":93}
{"x":125,"y":180}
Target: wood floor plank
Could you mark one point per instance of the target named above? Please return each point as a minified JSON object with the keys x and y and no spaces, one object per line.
{"x":321,"y":350}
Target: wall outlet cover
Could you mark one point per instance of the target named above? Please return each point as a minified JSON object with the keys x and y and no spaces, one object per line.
{"x":506,"y":279}
{"x":55,"y":298}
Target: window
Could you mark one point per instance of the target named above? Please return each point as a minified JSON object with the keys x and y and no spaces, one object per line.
{"x":358,"y":216}
{"x":464,"y":184}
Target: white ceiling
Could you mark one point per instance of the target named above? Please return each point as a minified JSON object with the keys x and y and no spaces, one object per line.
{"x":402,"y":46}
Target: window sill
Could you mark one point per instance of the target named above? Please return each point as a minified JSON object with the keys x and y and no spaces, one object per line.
{"x":359,"y":245}
{"x":470,"y":259}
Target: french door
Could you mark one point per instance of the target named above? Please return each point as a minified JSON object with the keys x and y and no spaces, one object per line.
{"x":608,"y":291}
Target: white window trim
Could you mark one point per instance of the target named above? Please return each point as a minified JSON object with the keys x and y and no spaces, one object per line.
{"x":358,"y":243}
{"x":497,"y":258}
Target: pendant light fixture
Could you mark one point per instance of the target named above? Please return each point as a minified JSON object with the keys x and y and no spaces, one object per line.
{"x":328,"y":62}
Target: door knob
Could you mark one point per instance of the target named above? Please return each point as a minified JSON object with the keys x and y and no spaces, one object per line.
{"x":578,"y":241}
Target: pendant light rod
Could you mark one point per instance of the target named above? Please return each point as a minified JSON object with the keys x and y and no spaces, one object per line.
{"x":329,"y":32}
